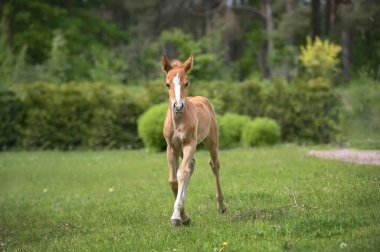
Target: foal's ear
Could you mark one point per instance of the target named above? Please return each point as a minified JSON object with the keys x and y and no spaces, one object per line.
{"x":165,"y":64}
{"x":188,"y":65}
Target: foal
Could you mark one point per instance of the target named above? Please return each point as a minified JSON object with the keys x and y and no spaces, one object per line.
{"x":189,"y":121}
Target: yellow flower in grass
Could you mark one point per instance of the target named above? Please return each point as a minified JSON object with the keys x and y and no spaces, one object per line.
{"x":225,"y":244}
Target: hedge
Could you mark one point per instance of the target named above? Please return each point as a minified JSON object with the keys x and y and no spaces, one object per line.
{"x":12,"y":117}
{"x":72,"y":116}
{"x":307,"y":111}
{"x":150,"y":127}
{"x":261,"y":131}
{"x":230,"y":129}
{"x":93,"y":115}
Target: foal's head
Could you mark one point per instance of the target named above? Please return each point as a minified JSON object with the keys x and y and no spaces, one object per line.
{"x":176,"y":81}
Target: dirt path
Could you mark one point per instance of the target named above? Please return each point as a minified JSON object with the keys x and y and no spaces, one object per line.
{"x":349,"y":155}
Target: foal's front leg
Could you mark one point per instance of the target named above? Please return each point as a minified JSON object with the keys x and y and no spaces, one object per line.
{"x":173,"y":167}
{"x":183,"y":175}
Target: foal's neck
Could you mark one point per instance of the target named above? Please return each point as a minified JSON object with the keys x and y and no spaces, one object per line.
{"x":177,"y":118}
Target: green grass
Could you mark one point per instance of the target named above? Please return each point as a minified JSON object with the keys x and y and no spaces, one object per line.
{"x":278,"y":198}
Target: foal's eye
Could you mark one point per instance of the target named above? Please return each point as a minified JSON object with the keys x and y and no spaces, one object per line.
{"x":186,"y":84}
{"x":167,"y":85}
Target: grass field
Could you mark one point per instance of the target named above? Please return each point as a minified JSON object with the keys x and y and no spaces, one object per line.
{"x":278,"y":198}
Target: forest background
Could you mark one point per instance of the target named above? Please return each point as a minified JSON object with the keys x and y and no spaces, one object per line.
{"x":78,"y":74}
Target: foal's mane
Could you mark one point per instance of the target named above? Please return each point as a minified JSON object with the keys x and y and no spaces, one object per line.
{"x":176,"y":63}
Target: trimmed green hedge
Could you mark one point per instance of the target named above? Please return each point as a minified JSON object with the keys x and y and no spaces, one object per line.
{"x":150,"y":126}
{"x":230,"y":129}
{"x":12,"y":117}
{"x":307,"y":111}
{"x":93,"y":115}
{"x":72,"y":116}
{"x":261,"y":131}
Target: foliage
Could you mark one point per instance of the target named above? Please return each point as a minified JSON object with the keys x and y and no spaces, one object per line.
{"x":150,"y":126}
{"x":93,"y":115}
{"x":113,"y":123}
{"x":73,"y":116}
{"x":320,"y":58}
{"x":57,"y":117}
{"x":11,"y":64}
{"x":57,"y":65}
{"x":230,"y":129}
{"x":179,"y":45}
{"x":261,"y":131}
{"x":12,"y":113}
{"x":308,"y":111}
{"x":230,"y":40}
{"x":361,"y":105}
{"x":315,"y":112}
{"x":108,"y":66}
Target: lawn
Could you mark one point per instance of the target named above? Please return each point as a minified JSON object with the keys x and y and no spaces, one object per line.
{"x":278,"y":198}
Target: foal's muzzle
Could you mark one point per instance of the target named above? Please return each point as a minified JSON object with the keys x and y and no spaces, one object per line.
{"x":178,"y":107}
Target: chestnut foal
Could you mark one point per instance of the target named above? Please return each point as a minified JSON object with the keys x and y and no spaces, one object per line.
{"x":189,"y":121}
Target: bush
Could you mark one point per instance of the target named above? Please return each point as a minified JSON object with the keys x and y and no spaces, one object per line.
{"x":87,"y":115}
{"x":57,"y":117}
{"x":308,"y":111}
{"x":150,"y":126}
{"x":320,"y":58}
{"x":314,"y":112}
{"x":12,"y":115}
{"x":114,"y":118}
{"x":230,"y":129}
{"x":261,"y":131}
{"x":361,"y":101}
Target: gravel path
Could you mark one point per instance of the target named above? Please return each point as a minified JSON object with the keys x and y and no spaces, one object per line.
{"x":349,"y":155}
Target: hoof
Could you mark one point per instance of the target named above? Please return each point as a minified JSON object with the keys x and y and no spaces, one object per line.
{"x":175,"y":222}
{"x":186,"y":222}
{"x":222,"y":210}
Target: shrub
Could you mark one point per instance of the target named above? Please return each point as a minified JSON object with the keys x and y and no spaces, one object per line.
{"x":230,"y":129}
{"x":113,"y":122}
{"x":314,"y":112}
{"x":12,"y":115}
{"x":57,"y":116}
{"x":308,"y":111}
{"x":361,"y":101}
{"x":150,"y":126}
{"x":89,"y":115}
{"x":261,"y":131}
{"x":320,"y":58}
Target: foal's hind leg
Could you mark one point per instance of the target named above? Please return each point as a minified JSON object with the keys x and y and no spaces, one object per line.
{"x":211,"y":145}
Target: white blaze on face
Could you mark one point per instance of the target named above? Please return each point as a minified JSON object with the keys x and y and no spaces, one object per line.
{"x":177,"y":88}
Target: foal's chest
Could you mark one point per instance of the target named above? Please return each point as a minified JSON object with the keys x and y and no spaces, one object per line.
{"x":177,"y":137}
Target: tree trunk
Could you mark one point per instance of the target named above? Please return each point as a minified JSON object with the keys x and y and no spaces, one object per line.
{"x":289,"y":11}
{"x":315,"y":19}
{"x":289,"y":40}
{"x":267,"y":44}
{"x":346,"y":38}
{"x":327,"y":17}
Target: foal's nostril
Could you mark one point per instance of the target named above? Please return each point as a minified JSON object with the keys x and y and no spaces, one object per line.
{"x":178,"y":107}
